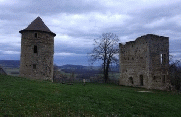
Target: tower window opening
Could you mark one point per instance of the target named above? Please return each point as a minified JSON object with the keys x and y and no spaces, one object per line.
{"x":154,"y":77}
{"x":35,"y":48}
{"x":36,"y":35}
{"x":34,"y":66}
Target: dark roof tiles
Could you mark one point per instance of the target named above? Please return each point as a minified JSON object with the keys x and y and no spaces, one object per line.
{"x":38,"y":25}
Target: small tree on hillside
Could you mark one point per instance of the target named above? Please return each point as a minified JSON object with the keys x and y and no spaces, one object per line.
{"x":105,"y":50}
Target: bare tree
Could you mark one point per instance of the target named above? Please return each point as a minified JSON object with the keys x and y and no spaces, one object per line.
{"x":105,"y":50}
{"x":175,"y":73}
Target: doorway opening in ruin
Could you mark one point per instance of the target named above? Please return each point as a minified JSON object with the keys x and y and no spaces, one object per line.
{"x":141,"y":80}
{"x":131,"y":80}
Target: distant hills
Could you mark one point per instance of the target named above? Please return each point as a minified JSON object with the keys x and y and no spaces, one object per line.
{"x":10,"y":63}
{"x":83,"y":69}
{"x":66,"y":68}
{"x":73,"y":67}
{"x":80,"y":70}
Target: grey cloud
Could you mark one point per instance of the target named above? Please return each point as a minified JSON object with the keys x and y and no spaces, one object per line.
{"x":66,"y":48}
{"x":138,"y":19}
{"x":46,"y":7}
{"x":76,"y":60}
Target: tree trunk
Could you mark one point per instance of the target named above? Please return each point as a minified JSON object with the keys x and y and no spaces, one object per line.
{"x":106,"y":76}
{"x":105,"y":57}
{"x":107,"y":72}
{"x":104,"y":71}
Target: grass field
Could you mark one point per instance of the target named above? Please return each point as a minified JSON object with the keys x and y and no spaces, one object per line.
{"x":23,"y":97}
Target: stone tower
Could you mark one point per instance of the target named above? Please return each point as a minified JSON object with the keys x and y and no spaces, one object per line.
{"x":37,"y":50}
{"x":145,"y":62}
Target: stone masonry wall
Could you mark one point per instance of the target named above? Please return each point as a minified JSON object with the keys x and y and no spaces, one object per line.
{"x":159,"y":62}
{"x":37,"y":65}
{"x":140,"y":62}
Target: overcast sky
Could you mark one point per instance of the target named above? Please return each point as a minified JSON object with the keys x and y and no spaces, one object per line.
{"x":77,"y":22}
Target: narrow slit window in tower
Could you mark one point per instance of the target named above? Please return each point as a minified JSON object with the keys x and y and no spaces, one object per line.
{"x":35,"y":48}
{"x":36,"y":35}
{"x":163,"y":79}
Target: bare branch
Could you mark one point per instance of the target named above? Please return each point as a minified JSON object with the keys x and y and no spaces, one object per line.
{"x":106,"y":47}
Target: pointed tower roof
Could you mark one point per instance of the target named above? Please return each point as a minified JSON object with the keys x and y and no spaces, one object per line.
{"x":38,"y":25}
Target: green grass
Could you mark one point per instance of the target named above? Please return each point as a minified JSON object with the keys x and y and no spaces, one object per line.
{"x":23,"y":97}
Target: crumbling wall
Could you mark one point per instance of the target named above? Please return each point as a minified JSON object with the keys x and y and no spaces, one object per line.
{"x":140,"y":62}
{"x":159,"y":62}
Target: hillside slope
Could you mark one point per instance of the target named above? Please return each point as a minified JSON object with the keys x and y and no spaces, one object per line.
{"x":23,"y":97}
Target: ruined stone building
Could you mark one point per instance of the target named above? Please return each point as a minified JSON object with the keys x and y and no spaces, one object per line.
{"x":37,"y":50}
{"x":145,"y":62}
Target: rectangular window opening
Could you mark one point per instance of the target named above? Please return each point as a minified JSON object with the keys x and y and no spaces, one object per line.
{"x":35,"y":48}
{"x":163,"y":59}
{"x":154,"y":77}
